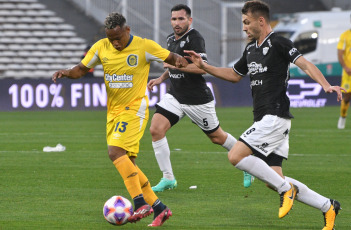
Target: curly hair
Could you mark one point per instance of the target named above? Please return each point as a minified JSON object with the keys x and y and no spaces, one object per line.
{"x":114,"y":19}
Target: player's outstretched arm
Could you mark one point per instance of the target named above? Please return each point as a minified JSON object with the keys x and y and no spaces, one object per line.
{"x":176,"y":60}
{"x":75,"y":72}
{"x":314,"y":73}
{"x":220,"y":72}
{"x":157,"y":81}
{"x":191,"y":68}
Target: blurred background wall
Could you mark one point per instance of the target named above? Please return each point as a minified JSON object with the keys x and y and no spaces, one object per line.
{"x":38,"y":37}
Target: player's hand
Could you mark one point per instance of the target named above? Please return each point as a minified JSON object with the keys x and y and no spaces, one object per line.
{"x":181,"y":62}
{"x":195,"y":58}
{"x":336,"y":89}
{"x":169,"y":66}
{"x":58,"y":74}
{"x":152,"y":83}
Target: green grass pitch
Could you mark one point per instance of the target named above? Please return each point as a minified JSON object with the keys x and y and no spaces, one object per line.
{"x":67,"y":190}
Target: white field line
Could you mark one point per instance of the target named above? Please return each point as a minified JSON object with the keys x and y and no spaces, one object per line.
{"x":178,"y":152}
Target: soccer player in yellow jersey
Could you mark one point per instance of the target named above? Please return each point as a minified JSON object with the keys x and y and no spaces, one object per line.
{"x":126,"y":62}
{"x":344,"y":57}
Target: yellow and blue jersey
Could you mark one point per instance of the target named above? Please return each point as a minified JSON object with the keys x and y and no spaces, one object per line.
{"x":125,"y":72}
{"x":345,"y":44}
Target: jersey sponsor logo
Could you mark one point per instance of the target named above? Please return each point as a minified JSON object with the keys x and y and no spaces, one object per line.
{"x":116,"y":77}
{"x":120,"y":85}
{"x":256,"y":68}
{"x":119,"y":81}
{"x":132,"y":60}
{"x":265,"y":50}
{"x":256,"y":83}
{"x":292,"y":51}
{"x":176,"y":75}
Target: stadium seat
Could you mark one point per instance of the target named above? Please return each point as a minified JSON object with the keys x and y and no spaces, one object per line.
{"x":43,"y":66}
{"x":5,"y":40}
{"x":33,"y":60}
{"x":6,"y":60}
{"x":2,"y":47}
{"x":8,"y":53}
{"x":43,"y":47}
{"x":19,"y":40}
{"x":65,"y":27}
{"x":48,"y":40}
{"x":8,"y":6}
{"x":34,"y":42}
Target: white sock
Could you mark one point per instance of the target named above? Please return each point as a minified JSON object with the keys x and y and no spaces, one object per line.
{"x":229,"y":142}
{"x":310,"y":197}
{"x":258,"y":168}
{"x":163,"y":157}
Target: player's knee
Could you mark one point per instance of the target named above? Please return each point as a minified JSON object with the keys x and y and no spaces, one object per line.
{"x":233,"y":159}
{"x":217,"y":141}
{"x":154,"y":130}
{"x":218,"y":137}
{"x":115,"y":153}
{"x":113,"y":156}
{"x":157,"y":132}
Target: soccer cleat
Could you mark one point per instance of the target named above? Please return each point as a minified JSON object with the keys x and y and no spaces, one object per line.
{"x":140,"y":213}
{"x":287,"y":199}
{"x":329,"y":216}
{"x":341,"y":122}
{"x":248,"y":179}
{"x":161,"y":218}
{"x":165,"y":184}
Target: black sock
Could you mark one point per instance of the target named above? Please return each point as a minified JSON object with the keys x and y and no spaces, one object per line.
{"x":138,"y":201}
{"x":158,"y":207}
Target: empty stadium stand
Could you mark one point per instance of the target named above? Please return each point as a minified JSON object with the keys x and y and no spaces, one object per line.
{"x":34,"y":42}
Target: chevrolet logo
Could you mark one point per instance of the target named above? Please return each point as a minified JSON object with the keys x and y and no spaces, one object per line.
{"x":313,"y":89}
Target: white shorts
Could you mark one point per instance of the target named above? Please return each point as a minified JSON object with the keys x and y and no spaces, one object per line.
{"x":271,"y":134}
{"x":203,"y":115}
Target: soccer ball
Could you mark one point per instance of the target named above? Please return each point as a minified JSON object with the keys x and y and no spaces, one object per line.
{"x":117,"y":209}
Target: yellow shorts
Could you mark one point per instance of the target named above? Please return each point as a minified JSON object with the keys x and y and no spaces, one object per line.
{"x":346,"y":82}
{"x":126,"y":130}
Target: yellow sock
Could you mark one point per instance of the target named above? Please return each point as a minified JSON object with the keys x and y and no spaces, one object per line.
{"x":343,"y":108}
{"x":129,"y":173}
{"x":149,"y":195}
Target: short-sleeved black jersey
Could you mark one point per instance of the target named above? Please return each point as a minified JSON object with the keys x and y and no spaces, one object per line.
{"x":268,"y":67}
{"x":188,"y":88}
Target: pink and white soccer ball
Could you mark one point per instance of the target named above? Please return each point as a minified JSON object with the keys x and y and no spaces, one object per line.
{"x":117,"y":209}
